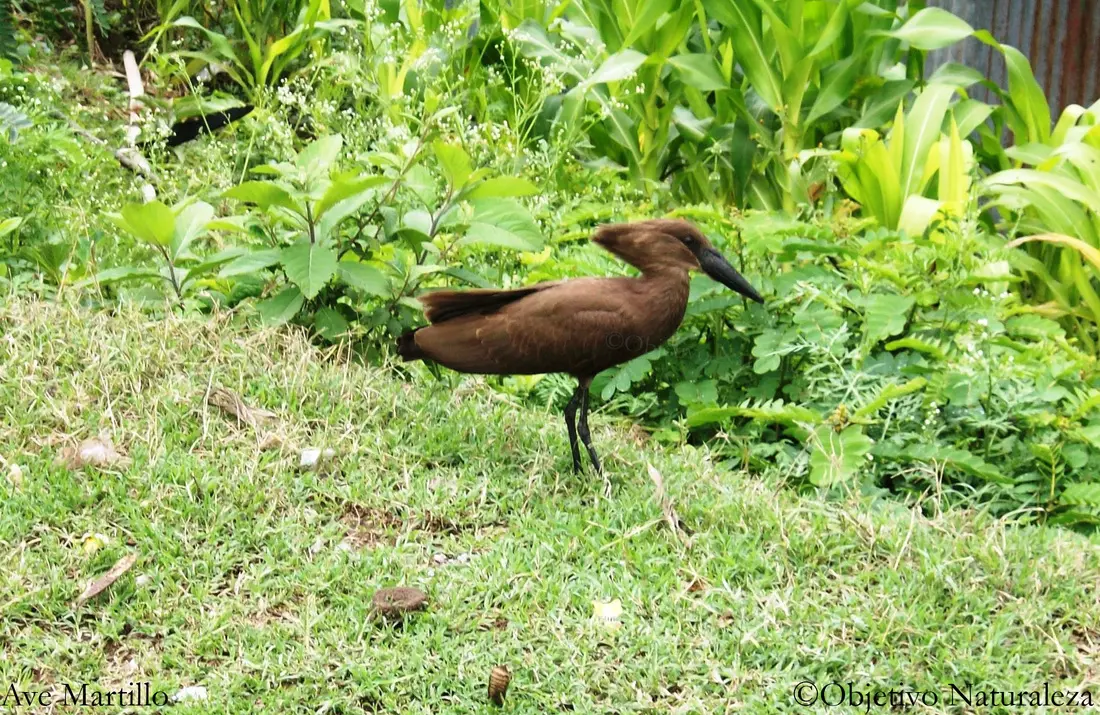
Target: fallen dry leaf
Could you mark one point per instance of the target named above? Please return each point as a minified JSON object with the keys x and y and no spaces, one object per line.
{"x":96,"y":452}
{"x":671,"y":518}
{"x":232,"y":404}
{"x":102,"y":583}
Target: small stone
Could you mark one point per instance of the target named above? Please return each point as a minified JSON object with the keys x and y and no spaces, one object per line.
{"x":312,"y":458}
{"x":191,"y":692}
{"x":399,"y":601}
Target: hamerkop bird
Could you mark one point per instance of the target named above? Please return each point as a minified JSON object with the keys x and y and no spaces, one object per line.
{"x":580,"y":326}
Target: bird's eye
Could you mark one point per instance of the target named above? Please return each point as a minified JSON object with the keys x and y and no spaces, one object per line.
{"x":689,"y":241}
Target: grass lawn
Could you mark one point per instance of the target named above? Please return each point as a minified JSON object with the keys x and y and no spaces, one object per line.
{"x":254,"y":578}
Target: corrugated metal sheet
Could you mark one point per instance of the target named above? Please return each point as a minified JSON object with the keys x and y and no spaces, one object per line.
{"x":1061,"y":38}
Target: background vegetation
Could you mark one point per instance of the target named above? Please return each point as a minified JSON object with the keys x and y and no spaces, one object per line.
{"x":930,"y":258}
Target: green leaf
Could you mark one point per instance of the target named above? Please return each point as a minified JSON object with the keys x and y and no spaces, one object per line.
{"x":699,"y":71}
{"x":251,"y":262}
{"x":744,"y":28}
{"x":282,"y":307}
{"x":932,"y":28}
{"x":502,"y":186}
{"x":154,"y":223}
{"x":455,"y":163}
{"x":701,"y":392}
{"x":365,"y":278}
{"x":347,"y":193}
{"x":317,"y":158}
{"x":10,"y":224}
{"x":837,"y":457}
{"x":617,"y":67}
{"x":309,"y":265}
{"x":330,"y":325}
{"x":884,"y":316}
{"x":120,"y":274}
{"x":502,"y":222}
{"x":889,"y":393}
{"x":837,"y":84}
{"x":1027,"y":96}
{"x":922,"y":131}
{"x":264,"y":194}
{"x":620,"y":378}
{"x":190,"y":223}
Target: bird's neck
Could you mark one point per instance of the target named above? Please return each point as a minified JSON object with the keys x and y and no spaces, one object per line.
{"x":667,"y":283}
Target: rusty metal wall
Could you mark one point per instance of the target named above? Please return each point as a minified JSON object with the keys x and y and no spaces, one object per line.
{"x":1061,"y":38}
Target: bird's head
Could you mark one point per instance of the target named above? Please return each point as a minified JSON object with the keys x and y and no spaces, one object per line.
{"x":671,"y":243}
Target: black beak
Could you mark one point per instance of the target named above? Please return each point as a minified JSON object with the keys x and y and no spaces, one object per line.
{"x":718,"y":268}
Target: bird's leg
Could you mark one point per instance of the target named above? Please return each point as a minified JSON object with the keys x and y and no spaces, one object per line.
{"x":582,"y":427}
{"x":571,"y":426}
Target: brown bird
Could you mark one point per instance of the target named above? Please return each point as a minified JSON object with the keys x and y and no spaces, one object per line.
{"x":580,"y":326}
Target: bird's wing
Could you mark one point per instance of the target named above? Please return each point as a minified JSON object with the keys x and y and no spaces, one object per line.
{"x":578,"y":326}
{"x":443,"y":305}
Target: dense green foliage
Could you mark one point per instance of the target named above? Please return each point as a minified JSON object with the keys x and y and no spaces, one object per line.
{"x":933,"y":306}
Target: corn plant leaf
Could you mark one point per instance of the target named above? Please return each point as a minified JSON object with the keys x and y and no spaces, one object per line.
{"x":617,"y":67}
{"x":700,"y":71}
{"x":744,"y":27}
{"x":932,"y":28}
{"x":838,"y":81}
{"x":309,"y":265}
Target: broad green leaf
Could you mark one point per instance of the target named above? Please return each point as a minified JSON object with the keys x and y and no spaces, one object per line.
{"x":1060,"y":183}
{"x":502,"y":222}
{"x":837,"y":456}
{"x":699,"y":71}
{"x":621,"y":377}
{"x":364,"y":277}
{"x":502,"y":186}
{"x":264,"y":194}
{"x":282,"y":307}
{"x":309,"y":265}
{"x":319,"y":156}
{"x":343,"y":189}
{"x":190,"y":223}
{"x":922,"y":131}
{"x":120,"y":274}
{"x":153,"y":223}
{"x":10,"y":224}
{"x":455,"y":163}
{"x":330,"y":325}
{"x":1027,"y":96}
{"x":617,"y":67}
{"x":932,"y":28}
{"x":251,"y":262}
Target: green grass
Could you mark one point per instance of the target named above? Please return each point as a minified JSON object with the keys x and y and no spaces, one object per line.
{"x":254,"y":578}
